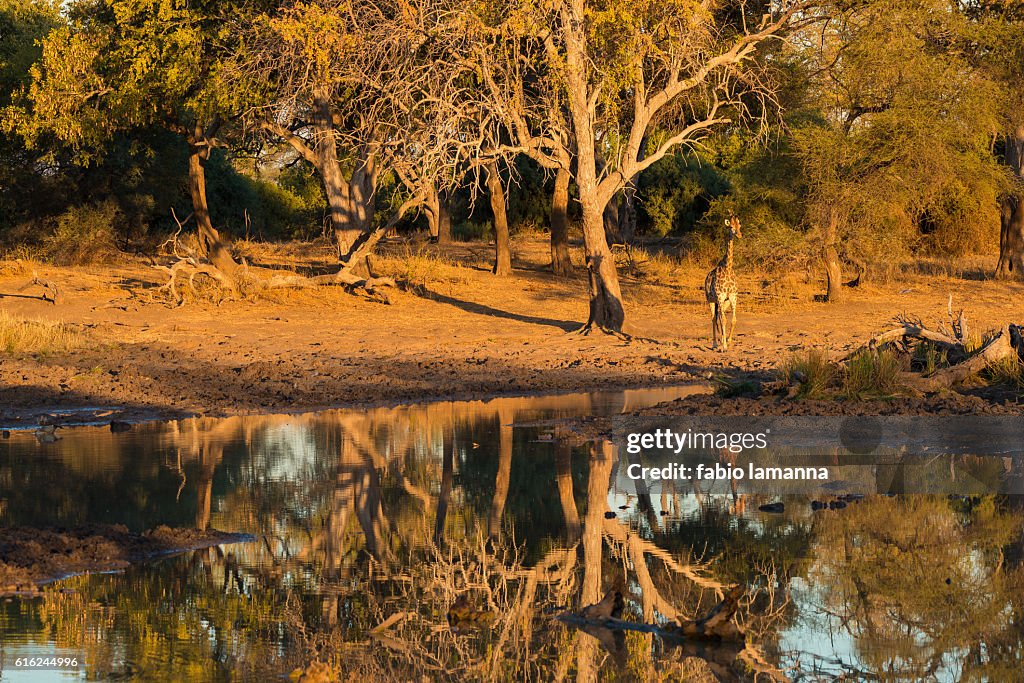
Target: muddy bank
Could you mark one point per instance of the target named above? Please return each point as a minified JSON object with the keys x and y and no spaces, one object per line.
{"x":938,"y":404}
{"x":583,"y":429}
{"x":30,"y":557}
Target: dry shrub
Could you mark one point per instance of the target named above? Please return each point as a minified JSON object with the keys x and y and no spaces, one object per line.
{"x":83,"y":235}
{"x":21,"y":335}
{"x":1008,"y":372}
{"x":529,"y":228}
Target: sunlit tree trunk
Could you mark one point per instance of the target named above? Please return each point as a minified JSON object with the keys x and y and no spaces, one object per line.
{"x":213,"y":245}
{"x":830,"y":257}
{"x":444,"y":218}
{"x":561,"y":263}
{"x":432,"y":209}
{"x":606,"y":311}
{"x":1011,"y":234}
{"x":502,"y":250}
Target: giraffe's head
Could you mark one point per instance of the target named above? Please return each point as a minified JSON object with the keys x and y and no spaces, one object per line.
{"x":733,"y":223}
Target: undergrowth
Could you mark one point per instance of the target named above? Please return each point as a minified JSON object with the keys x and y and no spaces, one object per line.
{"x":22,"y":335}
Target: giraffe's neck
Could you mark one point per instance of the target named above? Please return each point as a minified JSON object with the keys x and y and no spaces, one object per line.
{"x":727,"y":259}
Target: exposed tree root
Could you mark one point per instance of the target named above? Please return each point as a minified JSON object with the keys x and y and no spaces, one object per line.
{"x":50,"y":292}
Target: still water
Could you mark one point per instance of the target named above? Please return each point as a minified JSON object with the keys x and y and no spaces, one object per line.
{"x":371,"y":524}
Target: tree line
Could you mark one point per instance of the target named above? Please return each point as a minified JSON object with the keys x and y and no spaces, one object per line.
{"x":856,"y":128}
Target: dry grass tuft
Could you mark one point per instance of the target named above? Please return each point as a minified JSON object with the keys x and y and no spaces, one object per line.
{"x":1008,"y":372}
{"x":21,"y":335}
{"x":422,"y":268}
{"x":873,"y":373}
{"x":812,"y":369}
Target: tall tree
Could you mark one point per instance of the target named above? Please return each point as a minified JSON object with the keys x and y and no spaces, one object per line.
{"x":615,"y":86}
{"x":123,"y":65}
{"x":22,"y":25}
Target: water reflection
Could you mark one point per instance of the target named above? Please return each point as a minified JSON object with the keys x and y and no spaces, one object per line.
{"x":440,"y":541}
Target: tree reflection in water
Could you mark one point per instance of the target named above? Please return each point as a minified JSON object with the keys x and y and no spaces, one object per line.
{"x":439,"y":541}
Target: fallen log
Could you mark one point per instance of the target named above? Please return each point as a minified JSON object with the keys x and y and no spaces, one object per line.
{"x":997,"y":348}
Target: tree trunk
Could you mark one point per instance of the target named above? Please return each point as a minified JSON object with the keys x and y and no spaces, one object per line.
{"x":606,"y":312}
{"x":1011,"y":233}
{"x":833,"y":270}
{"x":561,"y":263}
{"x":444,"y":218}
{"x":611,"y":222}
{"x":502,"y":251}
{"x":336,"y":187}
{"x":214,"y":247}
{"x":627,"y":215}
{"x":432,"y":207}
{"x":504,"y":475}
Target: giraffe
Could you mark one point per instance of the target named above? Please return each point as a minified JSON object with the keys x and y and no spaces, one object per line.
{"x":720,"y":290}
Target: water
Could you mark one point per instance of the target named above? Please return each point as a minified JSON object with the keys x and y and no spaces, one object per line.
{"x":386,"y":516}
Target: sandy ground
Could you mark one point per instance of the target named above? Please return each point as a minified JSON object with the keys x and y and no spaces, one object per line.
{"x":455,"y":331}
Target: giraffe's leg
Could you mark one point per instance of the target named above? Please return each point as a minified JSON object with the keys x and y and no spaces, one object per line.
{"x":719,"y":324}
{"x":714,"y":325}
{"x":732,"y":306}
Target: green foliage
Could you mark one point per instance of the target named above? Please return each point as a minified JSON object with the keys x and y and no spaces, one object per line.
{"x":472,"y":231}
{"x":677,"y":191}
{"x":900,"y":158}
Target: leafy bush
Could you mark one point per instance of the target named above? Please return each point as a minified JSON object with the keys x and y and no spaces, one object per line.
{"x":84,"y":234}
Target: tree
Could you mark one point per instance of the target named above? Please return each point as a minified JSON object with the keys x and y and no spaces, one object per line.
{"x":496,"y":192}
{"x":22,"y":26}
{"x":356,"y":92}
{"x":123,"y":65}
{"x":897,"y":154}
{"x":998,"y":42}
{"x":614,"y":86}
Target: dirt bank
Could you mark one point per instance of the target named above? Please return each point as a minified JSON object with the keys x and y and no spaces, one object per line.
{"x":453,"y":331}
{"x":30,"y":556}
